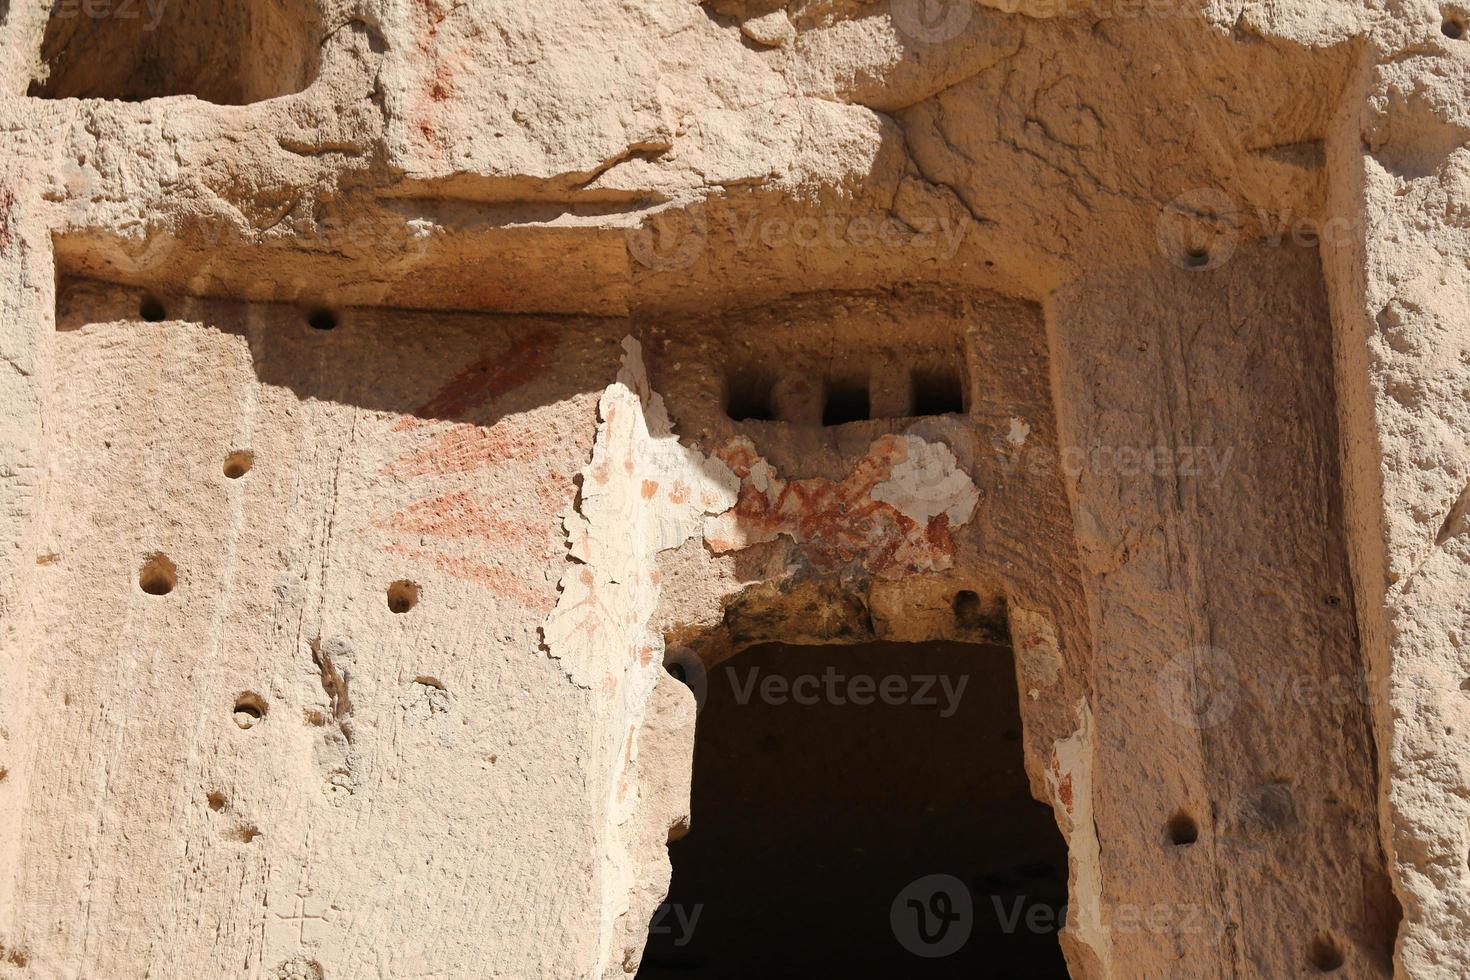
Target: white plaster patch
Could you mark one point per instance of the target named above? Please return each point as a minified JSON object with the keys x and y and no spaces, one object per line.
{"x":1019,"y":432}
{"x":928,"y":482}
{"x":761,"y":476}
{"x":1037,"y":649}
{"x":1070,"y":780}
{"x":642,"y":493}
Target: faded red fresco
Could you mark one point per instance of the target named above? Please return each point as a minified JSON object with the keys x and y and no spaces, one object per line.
{"x":446,"y":60}
{"x":450,"y":524}
{"x":500,"y":581}
{"x":492,"y":376}
{"x":463,"y":448}
{"x":1063,"y":784}
{"x":836,"y":523}
{"x":455,"y":515}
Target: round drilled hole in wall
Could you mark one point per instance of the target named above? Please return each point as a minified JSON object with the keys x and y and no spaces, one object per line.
{"x":322,"y":320}
{"x":1325,"y":953}
{"x":158,"y":576}
{"x":249,"y":709}
{"x":238,"y":463}
{"x":1197,"y":258}
{"x":1182,"y":829}
{"x":300,"y":968}
{"x":1453,"y":26}
{"x":151,"y":308}
{"x":403,"y":595}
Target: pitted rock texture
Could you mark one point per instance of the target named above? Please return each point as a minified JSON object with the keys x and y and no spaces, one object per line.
{"x":389,"y":388}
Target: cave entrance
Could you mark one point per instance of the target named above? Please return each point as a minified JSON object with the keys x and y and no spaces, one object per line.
{"x":228,"y":52}
{"x":832,"y":784}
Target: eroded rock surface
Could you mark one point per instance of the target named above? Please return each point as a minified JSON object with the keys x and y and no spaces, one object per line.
{"x":392,"y":389}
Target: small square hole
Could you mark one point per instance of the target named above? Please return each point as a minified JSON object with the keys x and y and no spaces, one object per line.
{"x":847,"y":401}
{"x":969,"y":614}
{"x":748,"y":397}
{"x":937,"y":393}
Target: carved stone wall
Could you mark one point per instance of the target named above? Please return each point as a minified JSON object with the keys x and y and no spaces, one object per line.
{"x":391,"y":389}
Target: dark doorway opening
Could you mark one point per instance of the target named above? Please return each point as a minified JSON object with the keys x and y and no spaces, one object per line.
{"x":830,"y":785}
{"x":229,"y":52}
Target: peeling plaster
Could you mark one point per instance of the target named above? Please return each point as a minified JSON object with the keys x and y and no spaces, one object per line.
{"x":927,"y":483}
{"x":1070,"y":781}
{"x":893,"y":513}
{"x":1038,"y":653}
{"x":642,"y":493}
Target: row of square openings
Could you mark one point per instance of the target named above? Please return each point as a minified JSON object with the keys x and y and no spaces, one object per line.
{"x":751,"y":396}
